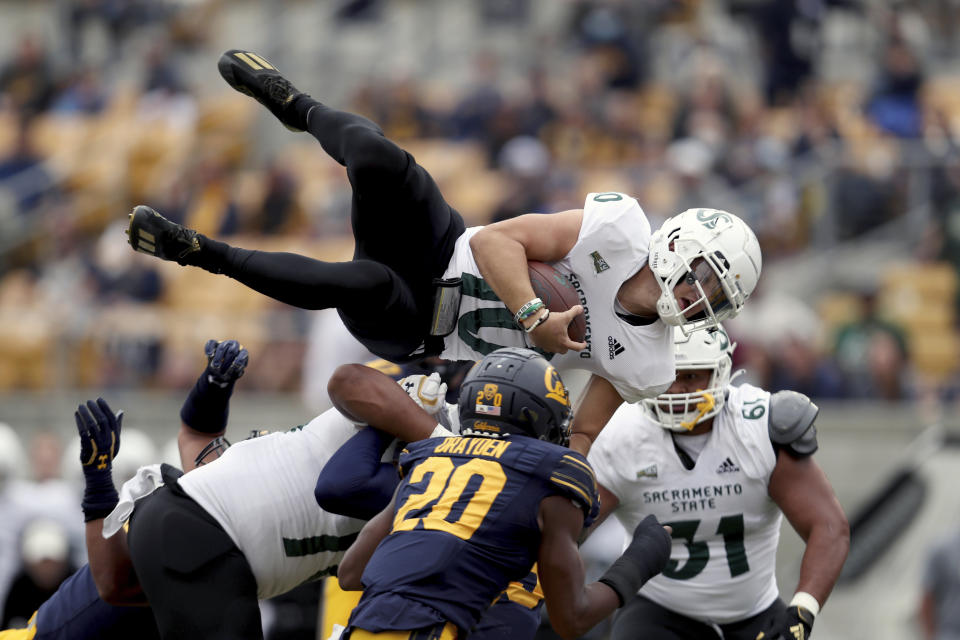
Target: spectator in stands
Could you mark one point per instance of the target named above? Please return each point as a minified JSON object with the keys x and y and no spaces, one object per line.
{"x":474,"y":115}
{"x":278,"y":210}
{"x":165,"y":94}
{"x":83,"y":93}
{"x":27,"y":81}
{"x":117,"y":17}
{"x":872,"y":354}
{"x":798,"y":365}
{"x":789,"y":32}
{"x":23,"y":173}
{"x":895,"y":103}
{"x":780,"y":340}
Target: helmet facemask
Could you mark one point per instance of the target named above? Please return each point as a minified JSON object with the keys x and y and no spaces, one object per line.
{"x":706,"y":350}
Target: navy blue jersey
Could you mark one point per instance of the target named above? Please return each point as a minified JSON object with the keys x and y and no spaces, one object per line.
{"x":465,"y":525}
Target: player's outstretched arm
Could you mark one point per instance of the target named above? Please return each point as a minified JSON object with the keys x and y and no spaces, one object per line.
{"x":804,"y":494}
{"x":574,"y":608}
{"x":99,"y":430}
{"x":367,"y":396}
{"x":354,"y":482}
{"x":502,"y":250}
{"x":358,"y":555}
{"x":206,"y":409}
{"x":599,"y":402}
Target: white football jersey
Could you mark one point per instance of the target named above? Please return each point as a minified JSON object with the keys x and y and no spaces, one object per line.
{"x":725,"y":525}
{"x":261,"y":493}
{"x":612,"y":246}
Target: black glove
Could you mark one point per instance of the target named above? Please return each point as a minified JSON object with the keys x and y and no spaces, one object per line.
{"x":207,"y":406}
{"x":647,"y":555}
{"x":226,"y":361}
{"x":99,"y":430}
{"x":796,"y":623}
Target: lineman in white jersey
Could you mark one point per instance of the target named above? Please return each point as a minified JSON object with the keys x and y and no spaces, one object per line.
{"x":696,"y":270}
{"x":271,"y":515}
{"x":721,"y":465}
{"x":206,"y":546}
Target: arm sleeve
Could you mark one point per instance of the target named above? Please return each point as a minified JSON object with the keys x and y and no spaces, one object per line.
{"x":354,"y":482}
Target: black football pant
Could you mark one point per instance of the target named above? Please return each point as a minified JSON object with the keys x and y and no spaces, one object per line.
{"x":197,"y":581}
{"x":404,"y":235}
{"x":642,"y":619}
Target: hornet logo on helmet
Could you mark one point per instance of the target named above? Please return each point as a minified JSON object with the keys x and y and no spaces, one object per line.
{"x":710,"y":217}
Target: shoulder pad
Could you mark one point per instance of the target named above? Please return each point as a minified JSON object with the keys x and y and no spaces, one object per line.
{"x":791,"y":422}
{"x":412,"y":453}
{"x":573,"y":476}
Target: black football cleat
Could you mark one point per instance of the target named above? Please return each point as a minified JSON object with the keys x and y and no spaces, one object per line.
{"x":253,"y":75}
{"x":149,"y":232}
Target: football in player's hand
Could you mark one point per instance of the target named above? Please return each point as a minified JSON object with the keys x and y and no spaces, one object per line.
{"x":558,"y":294}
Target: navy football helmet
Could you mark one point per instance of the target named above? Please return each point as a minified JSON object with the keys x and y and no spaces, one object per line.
{"x":515,"y":391}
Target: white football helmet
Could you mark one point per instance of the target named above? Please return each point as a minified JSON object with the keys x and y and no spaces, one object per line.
{"x":700,"y":350}
{"x":717,"y":253}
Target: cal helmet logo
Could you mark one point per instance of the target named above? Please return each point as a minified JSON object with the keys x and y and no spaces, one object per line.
{"x":555,"y":388}
{"x":599,"y":264}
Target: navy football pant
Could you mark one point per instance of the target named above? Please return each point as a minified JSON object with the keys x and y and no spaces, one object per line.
{"x":506,"y":620}
{"x":404,"y":235}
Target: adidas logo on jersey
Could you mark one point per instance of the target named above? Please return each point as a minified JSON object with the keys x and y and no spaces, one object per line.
{"x":728,"y":466}
{"x":614,"y":347}
{"x":648,"y":472}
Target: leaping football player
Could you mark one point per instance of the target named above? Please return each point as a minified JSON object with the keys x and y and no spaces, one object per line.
{"x":421,"y":284}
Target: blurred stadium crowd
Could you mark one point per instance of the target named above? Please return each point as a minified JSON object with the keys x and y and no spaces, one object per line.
{"x":831,"y":126}
{"x":821,"y":123}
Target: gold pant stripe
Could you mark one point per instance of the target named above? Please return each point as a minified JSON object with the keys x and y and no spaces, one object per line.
{"x":22,"y":634}
{"x":449,"y":633}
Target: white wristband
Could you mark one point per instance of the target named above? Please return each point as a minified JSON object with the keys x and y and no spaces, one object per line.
{"x":807,"y":601}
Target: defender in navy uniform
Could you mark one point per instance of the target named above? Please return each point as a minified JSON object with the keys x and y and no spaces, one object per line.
{"x":475,"y":512}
